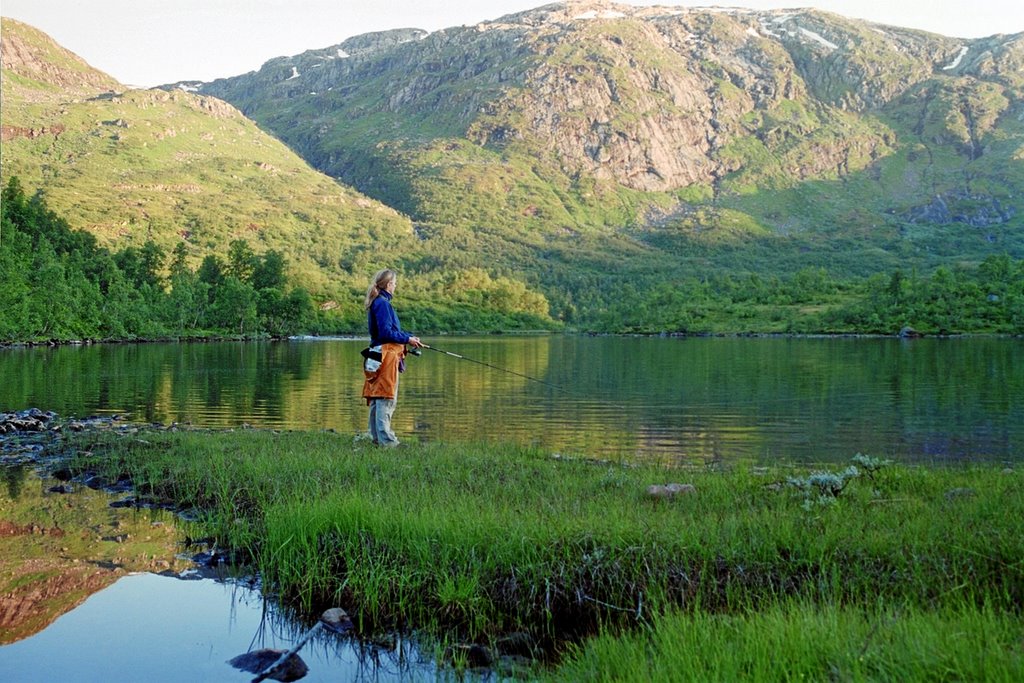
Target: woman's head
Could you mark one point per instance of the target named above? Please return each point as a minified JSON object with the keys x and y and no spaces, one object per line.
{"x":380,"y":283}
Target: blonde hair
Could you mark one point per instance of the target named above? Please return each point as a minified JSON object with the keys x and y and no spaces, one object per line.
{"x":379,"y":283}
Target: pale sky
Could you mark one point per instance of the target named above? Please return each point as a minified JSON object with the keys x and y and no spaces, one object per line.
{"x":151,"y":42}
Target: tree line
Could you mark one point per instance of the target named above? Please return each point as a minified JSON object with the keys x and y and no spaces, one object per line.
{"x":58,"y":283}
{"x":985,"y":299}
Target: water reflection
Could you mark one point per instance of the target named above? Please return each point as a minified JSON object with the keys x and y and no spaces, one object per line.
{"x":153,"y":628}
{"x":690,"y":400}
{"x":81,"y":599}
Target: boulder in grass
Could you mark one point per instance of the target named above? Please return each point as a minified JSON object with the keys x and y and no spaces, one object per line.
{"x":665,"y":491}
{"x":473,"y":655}
{"x":958,"y":493}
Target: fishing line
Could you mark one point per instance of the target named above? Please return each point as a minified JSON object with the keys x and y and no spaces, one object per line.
{"x":721,"y":404}
{"x":495,"y":367}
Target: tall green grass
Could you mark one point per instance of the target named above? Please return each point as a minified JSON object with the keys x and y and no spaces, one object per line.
{"x":809,"y":642}
{"x":485,"y":539}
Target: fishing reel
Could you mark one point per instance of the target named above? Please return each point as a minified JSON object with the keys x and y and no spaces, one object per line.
{"x":414,"y":351}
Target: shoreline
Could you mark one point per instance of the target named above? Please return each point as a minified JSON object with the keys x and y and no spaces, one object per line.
{"x":209,"y":339}
{"x":553,"y":551}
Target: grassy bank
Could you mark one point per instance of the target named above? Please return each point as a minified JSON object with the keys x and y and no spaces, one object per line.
{"x":809,"y":642}
{"x":491,"y":539}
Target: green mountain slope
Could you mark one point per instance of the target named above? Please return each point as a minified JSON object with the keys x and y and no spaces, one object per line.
{"x":732,"y":139}
{"x":135,"y":165}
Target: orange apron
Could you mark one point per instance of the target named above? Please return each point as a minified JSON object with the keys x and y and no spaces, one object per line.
{"x":383,"y":382}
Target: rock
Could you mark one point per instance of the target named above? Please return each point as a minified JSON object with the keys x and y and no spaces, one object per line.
{"x":657,"y":491}
{"x":337,"y":620}
{"x":518,"y":643}
{"x":908,"y":332}
{"x":662,"y":491}
{"x":96,"y":482}
{"x":479,"y":656}
{"x":474,"y":655}
{"x":954,"y":494}
{"x":977,"y":210}
{"x":258,"y":661}
{"x":63,"y":474}
{"x":122,"y":485}
{"x":516,"y":666}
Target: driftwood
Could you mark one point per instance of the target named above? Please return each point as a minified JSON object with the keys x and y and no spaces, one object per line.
{"x":284,"y":667}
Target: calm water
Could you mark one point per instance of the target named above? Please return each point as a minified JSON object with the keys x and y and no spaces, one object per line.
{"x":153,"y":628}
{"x":135,"y":625}
{"x":692,"y":400}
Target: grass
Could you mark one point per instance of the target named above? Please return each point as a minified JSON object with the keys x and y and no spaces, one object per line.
{"x":483,"y":540}
{"x":801,"y":641}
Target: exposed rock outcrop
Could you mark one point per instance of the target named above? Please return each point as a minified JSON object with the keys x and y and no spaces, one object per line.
{"x":652,"y":98}
{"x":973,"y":209}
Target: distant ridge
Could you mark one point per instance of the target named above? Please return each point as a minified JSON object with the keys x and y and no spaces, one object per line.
{"x":775,"y":122}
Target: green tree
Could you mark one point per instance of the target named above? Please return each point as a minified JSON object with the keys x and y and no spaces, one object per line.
{"x":211,"y":271}
{"x":269,"y":272}
{"x":179,"y":260}
{"x":142,"y":266}
{"x":241,"y":261}
{"x":234,"y":306}
{"x":15,"y":263}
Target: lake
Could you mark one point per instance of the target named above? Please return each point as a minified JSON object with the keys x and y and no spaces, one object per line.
{"x":687,"y":400}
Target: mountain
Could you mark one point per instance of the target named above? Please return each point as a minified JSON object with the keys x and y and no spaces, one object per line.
{"x":696,"y":138}
{"x":131,"y":165}
{"x":566,"y":159}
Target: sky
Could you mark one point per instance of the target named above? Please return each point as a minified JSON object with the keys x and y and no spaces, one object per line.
{"x":152,"y":42}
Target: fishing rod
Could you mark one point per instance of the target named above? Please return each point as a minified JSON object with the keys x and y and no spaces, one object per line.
{"x":488,"y":365}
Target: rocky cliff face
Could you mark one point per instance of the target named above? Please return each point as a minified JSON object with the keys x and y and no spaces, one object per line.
{"x":654,"y":99}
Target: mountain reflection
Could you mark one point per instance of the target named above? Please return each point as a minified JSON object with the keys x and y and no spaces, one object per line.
{"x":694,"y":400}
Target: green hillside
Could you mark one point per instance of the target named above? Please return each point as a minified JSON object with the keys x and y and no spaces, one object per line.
{"x":609,"y":167}
{"x":135,"y":165}
{"x":132,"y":166}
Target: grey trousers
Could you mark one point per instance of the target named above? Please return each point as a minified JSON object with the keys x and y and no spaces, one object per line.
{"x":381,"y":410}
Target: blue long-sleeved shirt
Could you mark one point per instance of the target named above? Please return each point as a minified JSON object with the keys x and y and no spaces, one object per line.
{"x":383,"y":322}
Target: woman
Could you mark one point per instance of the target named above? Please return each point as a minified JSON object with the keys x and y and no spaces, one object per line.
{"x":386,"y":337}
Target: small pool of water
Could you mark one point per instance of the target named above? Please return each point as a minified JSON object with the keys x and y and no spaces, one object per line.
{"x":92,"y":590}
{"x":151,"y":627}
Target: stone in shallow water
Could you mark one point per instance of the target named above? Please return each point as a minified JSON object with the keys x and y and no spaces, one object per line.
{"x":337,"y":620}
{"x":258,"y":661}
